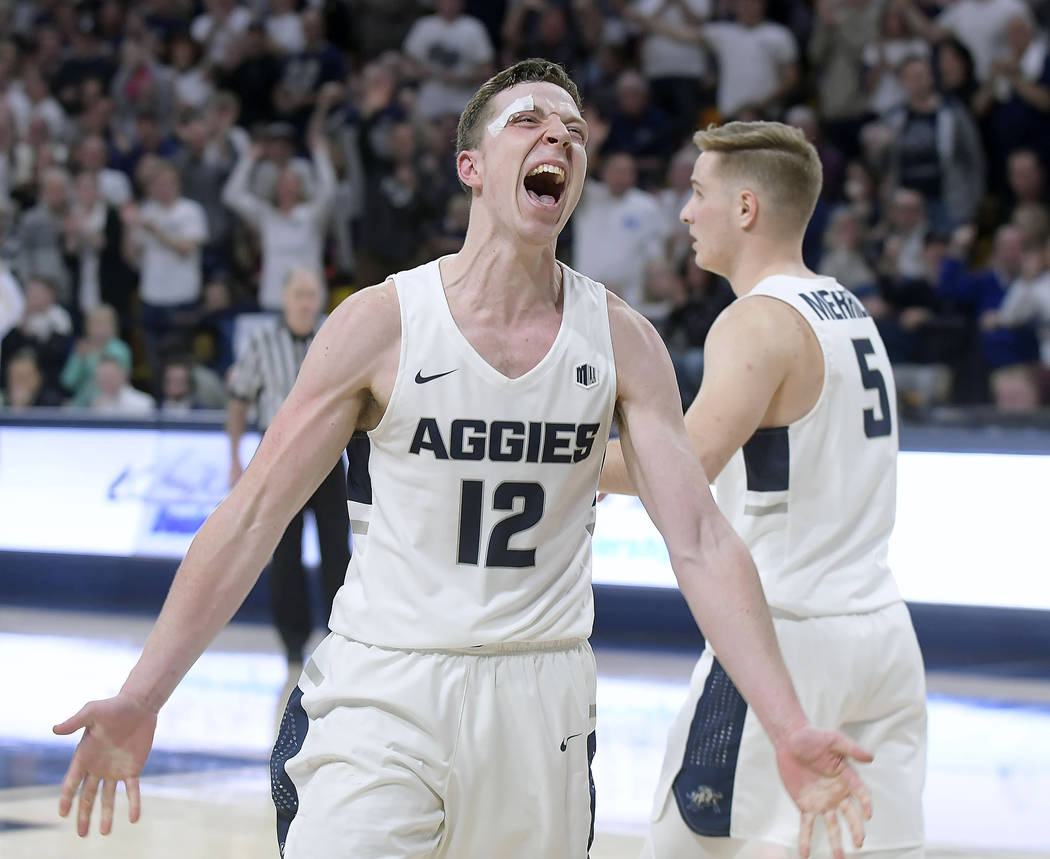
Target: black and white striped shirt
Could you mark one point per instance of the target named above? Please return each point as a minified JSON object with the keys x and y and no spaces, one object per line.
{"x":266,"y":371}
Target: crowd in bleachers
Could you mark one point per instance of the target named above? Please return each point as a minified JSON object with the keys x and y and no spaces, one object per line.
{"x":165,"y":163}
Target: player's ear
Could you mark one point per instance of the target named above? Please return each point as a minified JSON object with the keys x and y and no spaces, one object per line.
{"x":747,"y":209}
{"x":468,"y":168}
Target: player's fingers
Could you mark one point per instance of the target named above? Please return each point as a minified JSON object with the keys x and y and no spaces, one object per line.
{"x":849,"y":809}
{"x":87,"y":803}
{"x":74,"y":775}
{"x":859,"y":791}
{"x":109,"y":792}
{"x":74,"y":723}
{"x":805,"y":834}
{"x":831,"y":824}
{"x":845,"y":746}
{"x":134,"y":799}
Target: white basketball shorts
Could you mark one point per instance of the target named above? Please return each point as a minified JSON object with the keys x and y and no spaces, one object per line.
{"x":719,"y":788}
{"x":458,"y":754}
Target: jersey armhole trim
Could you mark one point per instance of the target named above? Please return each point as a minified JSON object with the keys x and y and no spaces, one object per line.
{"x":395,"y":391}
{"x":824,"y":354}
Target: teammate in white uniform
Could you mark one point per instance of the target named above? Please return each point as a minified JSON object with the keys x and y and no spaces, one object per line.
{"x":796,"y":422}
{"x":450,"y":712}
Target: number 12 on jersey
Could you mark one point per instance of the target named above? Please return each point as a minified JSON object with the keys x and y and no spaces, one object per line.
{"x":499,"y":553}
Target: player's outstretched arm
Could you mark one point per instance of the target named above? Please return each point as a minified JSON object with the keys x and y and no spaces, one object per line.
{"x":719,"y":582}
{"x":305,"y":439}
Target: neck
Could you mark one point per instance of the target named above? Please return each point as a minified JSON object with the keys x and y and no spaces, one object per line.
{"x":762,"y":259}
{"x":505,"y":276}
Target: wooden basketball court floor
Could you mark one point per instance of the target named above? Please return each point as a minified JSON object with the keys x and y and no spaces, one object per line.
{"x":205,"y":792}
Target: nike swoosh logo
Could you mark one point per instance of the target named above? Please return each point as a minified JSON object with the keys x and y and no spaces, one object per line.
{"x":563,"y":742}
{"x":422,"y":380}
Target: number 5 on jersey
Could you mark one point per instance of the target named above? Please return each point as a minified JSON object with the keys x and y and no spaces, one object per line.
{"x":499,"y":553}
{"x":873,"y":380}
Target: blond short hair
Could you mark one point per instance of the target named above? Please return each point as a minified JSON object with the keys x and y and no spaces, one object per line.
{"x":777,"y":159}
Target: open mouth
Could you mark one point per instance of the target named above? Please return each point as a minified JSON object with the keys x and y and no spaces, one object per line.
{"x":545,"y":184}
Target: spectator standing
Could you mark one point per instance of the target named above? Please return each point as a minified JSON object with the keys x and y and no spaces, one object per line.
{"x":640,"y":128}
{"x":677,"y":190}
{"x":114,"y":185}
{"x":452,"y":53}
{"x":263,"y":376}
{"x":757,"y":58}
{"x":936,"y":149}
{"x":896,"y":42}
{"x":165,"y":238}
{"x":1016,"y":96}
{"x":284,"y":27}
{"x":216,"y":29}
{"x":394,"y":233}
{"x":979,"y":24}
{"x":252,"y":75}
{"x":85,"y":236}
{"x":192,"y":83}
{"x":291,"y":229}
{"x":114,"y":397}
{"x":100,"y":338}
{"x":679,"y":73}
{"x":304,"y":74}
{"x":618,"y":230}
{"x":201,"y":180}
{"x":843,"y":30}
{"x":41,"y":250}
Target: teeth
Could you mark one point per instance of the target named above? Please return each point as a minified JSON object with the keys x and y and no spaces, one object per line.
{"x":556,"y":171}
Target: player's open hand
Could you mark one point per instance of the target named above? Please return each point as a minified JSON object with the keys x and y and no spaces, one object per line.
{"x":815,"y":767}
{"x":114,"y":748}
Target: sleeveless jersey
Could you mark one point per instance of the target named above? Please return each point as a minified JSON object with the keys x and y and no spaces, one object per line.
{"x":815,"y":500}
{"x":472,"y":502}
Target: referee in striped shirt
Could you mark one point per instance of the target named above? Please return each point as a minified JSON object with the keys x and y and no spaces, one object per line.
{"x":264,"y":375}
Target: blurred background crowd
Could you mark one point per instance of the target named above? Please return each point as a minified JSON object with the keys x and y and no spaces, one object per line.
{"x":164,"y":164}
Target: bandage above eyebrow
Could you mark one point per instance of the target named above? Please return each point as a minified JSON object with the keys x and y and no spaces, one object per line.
{"x":519,"y":104}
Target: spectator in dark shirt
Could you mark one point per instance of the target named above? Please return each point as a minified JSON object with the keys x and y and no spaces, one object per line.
{"x":639,"y":128}
{"x":252,"y":74}
{"x":305,"y":73}
{"x":24,"y":384}
{"x":1016,"y":98}
{"x":46,"y":329}
{"x":980,"y":294}
{"x":202,"y":181}
{"x":936,"y":149}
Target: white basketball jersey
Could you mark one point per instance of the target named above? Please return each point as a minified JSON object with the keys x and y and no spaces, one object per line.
{"x":815,"y":500}
{"x":472,"y":501}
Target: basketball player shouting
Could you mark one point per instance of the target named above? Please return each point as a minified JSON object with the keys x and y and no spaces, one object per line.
{"x":796,"y":418}
{"x":451,"y":710}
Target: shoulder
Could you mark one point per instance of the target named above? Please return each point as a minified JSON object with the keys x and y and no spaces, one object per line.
{"x":366,"y":322}
{"x":756,"y":323}
{"x":632,"y":334}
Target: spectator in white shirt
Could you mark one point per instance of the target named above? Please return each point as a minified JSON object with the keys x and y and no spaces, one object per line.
{"x":979,"y":24}
{"x":677,"y":71}
{"x":218,"y":28}
{"x":115,"y":396}
{"x":757,"y":58}
{"x":284,"y":27}
{"x":618,"y":229}
{"x":113,"y":185}
{"x":164,"y":239}
{"x":291,"y":228}
{"x":453,"y":54}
